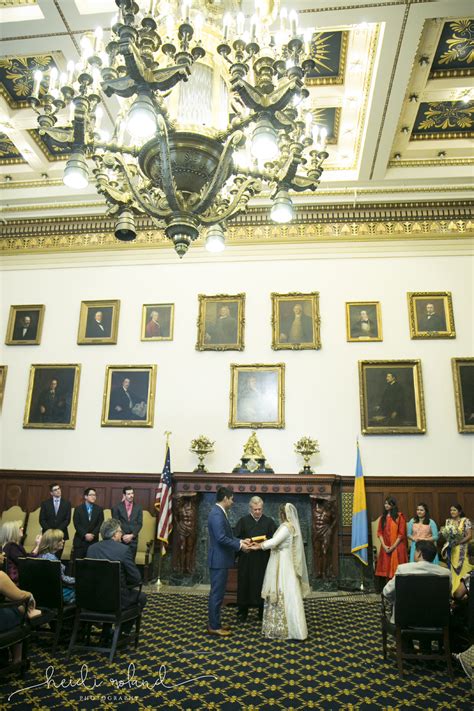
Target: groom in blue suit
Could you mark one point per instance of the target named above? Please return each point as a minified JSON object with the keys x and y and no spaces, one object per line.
{"x":222,"y":549}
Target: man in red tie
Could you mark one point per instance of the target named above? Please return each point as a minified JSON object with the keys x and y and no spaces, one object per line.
{"x":130,"y":515}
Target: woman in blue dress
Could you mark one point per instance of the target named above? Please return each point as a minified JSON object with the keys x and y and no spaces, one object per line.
{"x":421,"y":528}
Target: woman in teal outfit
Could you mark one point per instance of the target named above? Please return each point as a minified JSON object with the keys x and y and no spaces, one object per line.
{"x":421,"y":527}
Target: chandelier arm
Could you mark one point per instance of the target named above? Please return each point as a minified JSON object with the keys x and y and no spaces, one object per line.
{"x":221,"y":172}
{"x":167,"y":179}
{"x":147,"y":206}
{"x":234,"y":206}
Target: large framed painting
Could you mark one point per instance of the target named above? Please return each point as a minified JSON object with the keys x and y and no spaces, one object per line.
{"x":431,"y":314}
{"x":129,"y":396}
{"x":463,"y":375}
{"x":51,"y":402}
{"x":3,"y":378}
{"x":391,"y":397}
{"x":25,"y":325}
{"x":157,"y":322}
{"x":295,"y":321}
{"x":363,"y":321}
{"x":257,"y":395}
{"x":221,"y":322}
{"x":98,"y":322}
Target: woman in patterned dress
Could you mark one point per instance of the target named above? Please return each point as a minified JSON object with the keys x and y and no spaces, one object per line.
{"x":455,"y":551}
{"x":422,"y":528}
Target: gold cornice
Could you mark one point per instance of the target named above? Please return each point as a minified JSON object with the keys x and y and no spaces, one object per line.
{"x":420,"y":163}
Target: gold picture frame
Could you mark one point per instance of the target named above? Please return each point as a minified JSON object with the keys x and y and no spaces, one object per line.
{"x":221,"y":322}
{"x":257,"y":396}
{"x":296,"y":321}
{"x":463,"y":377}
{"x":51,"y":401}
{"x":363,"y":321}
{"x":98,"y":331}
{"x":25,"y":325}
{"x":431,"y":314}
{"x":157,"y":322}
{"x":132,"y":404}
{"x":391,"y":397}
{"x":3,"y":379}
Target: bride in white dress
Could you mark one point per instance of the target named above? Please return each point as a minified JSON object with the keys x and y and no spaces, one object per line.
{"x":286,"y":580}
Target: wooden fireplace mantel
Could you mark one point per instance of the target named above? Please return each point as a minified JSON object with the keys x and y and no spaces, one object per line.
{"x":205,"y":482}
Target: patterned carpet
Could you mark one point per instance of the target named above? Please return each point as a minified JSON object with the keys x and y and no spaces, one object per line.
{"x":339,"y":666}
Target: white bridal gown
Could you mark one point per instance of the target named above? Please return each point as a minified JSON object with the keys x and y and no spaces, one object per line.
{"x":283,"y":615}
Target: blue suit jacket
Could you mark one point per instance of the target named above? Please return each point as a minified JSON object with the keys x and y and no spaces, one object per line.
{"x":222,"y":545}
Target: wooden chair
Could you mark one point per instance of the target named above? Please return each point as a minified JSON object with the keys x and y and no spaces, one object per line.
{"x":421,"y":612}
{"x":43,"y":579}
{"x":146,"y":544}
{"x":32,"y":529}
{"x":107,"y":514}
{"x":67,"y":550}
{"x":98,"y":600}
{"x":14,"y":513}
{"x":376,"y":545}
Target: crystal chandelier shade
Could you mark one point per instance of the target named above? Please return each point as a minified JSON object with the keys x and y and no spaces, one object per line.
{"x":211,"y":113}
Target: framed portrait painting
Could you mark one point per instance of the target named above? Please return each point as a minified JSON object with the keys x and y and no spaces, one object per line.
{"x":363,"y":321}
{"x":129,"y":396}
{"x":295,"y":321}
{"x":3,"y":378}
{"x":431,"y":314}
{"x":157,"y":322}
{"x":25,"y":324}
{"x":98,"y":322}
{"x":51,"y":401}
{"x":391,"y":397}
{"x":221,"y":322}
{"x":257,"y":396}
{"x":463,"y":375}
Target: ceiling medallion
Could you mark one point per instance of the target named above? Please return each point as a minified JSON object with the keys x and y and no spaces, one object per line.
{"x":212,"y":111}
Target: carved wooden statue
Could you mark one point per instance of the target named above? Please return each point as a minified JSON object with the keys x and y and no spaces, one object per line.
{"x":323,"y":523}
{"x":186,"y":533}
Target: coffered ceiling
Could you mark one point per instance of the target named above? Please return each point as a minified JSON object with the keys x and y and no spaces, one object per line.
{"x":392,"y":85}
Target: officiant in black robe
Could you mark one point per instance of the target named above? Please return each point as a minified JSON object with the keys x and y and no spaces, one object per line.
{"x":251,"y":567}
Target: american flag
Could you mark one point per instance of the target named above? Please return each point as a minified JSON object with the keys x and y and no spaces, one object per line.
{"x":164,"y":503}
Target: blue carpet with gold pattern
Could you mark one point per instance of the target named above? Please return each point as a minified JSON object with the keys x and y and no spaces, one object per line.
{"x":178,"y":666}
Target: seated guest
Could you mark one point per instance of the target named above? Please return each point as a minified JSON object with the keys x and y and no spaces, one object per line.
{"x":51,"y":542}
{"x":130,"y":516}
{"x":11,"y":534}
{"x":111,"y":548}
{"x":10,"y":617}
{"x":425,"y":553}
{"x":421,"y":528}
{"x":88,"y":518}
{"x":463,"y":590}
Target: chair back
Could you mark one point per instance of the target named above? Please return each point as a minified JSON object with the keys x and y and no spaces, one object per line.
{"x":422,"y":600}
{"x":376,"y":545}
{"x":107,"y":514}
{"x":470,"y":608}
{"x":147,"y":534}
{"x":67,"y":550}
{"x":43,"y":579}
{"x":14,"y":513}
{"x":32,"y":529}
{"x":98,"y":585}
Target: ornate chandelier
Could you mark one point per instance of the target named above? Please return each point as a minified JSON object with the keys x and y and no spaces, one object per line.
{"x":211,"y":112}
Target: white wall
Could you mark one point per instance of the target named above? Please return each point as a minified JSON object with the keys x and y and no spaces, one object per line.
{"x":192,"y":393}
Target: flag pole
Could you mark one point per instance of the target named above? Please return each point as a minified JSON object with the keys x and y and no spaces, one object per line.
{"x":158,"y":583}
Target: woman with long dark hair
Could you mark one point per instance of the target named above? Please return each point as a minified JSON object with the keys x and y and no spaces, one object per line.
{"x":422,"y":528}
{"x":392,"y":533}
{"x":457,"y":532}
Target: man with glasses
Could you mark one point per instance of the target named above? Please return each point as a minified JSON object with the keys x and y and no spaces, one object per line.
{"x":55,"y":512}
{"x":87,"y":519}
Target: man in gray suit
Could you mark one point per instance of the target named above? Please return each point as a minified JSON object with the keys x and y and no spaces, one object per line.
{"x":111,"y":548}
{"x":130,"y":516}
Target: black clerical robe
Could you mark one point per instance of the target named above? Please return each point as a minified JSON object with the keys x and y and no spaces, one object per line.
{"x":252,"y":565}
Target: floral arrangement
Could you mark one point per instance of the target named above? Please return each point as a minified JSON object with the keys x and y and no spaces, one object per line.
{"x":451,"y":534}
{"x":201,"y":444}
{"x":306,"y":445}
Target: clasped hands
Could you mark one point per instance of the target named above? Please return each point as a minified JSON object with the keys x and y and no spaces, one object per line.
{"x":249,"y":545}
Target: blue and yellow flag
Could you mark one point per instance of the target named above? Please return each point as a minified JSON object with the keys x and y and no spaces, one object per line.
{"x":360,"y":534}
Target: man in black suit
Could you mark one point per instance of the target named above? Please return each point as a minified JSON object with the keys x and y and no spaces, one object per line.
{"x":130,"y":516}
{"x":55,"y":512}
{"x":24,"y":329}
{"x":96,"y":328}
{"x":88,"y":518}
{"x":111,"y":548}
